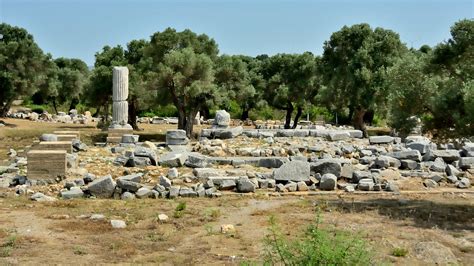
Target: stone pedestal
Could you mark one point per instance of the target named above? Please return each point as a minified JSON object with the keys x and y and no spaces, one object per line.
{"x":54,"y":145}
{"x":115,"y":134}
{"x":46,"y":165}
{"x":69,"y":132}
{"x":69,"y":138}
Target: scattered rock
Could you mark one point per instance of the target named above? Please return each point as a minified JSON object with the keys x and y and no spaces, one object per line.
{"x":118,"y":224}
{"x":328,"y":182}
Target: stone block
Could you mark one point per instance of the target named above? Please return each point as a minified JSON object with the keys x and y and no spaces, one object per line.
{"x":54,"y":146}
{"x":46,"y":165}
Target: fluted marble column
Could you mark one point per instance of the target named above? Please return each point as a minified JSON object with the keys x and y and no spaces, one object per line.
{"x":119,"y":97}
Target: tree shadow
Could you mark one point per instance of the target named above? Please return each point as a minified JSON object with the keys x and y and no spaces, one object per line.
{"x":424,"y":213}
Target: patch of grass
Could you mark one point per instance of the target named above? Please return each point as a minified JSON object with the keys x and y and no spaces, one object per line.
{"x":78,"y":250}
{"x":179,"y":211}
{"x":211,"y":214}
{"x":316,"y":246}
{"x":209,"y":229}
{"x":8,"y":246}
{"x":399,"y":252}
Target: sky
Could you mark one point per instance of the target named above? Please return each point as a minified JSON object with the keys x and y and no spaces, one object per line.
{"x":80,"y":28}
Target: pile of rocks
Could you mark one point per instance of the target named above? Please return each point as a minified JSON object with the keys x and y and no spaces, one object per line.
{"x":72,"y":118}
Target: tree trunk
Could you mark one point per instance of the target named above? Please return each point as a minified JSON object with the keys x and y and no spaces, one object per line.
{"x":5,"y":108}
{"x":189,"y":123}
{"x":55,"y":106}
{"x":369,"y":117}
{"x":297,"y":117}
{"x":359,"y":120}
{"x":132,"y":113}
{"x":97,"y":111}
{"x":205,"y":112}
{"x":245,"y":114}
{"x":181,"y":118}
{"x":73,"y":104}
{"x":289,"y":111}
{"x":350,"y":116}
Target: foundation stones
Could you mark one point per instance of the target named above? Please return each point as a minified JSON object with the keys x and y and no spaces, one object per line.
{"x":292,"y":171}
{"x":176,"y":137}
{"x":381,"y":139}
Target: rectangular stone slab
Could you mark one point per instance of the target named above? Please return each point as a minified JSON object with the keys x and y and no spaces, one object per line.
{"x":66,"y":137}
{"x":46,"y":164}
{"x":69,"y":132}
{"x":54,"y":145}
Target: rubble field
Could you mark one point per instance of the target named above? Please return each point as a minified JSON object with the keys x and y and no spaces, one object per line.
{"x":413,"y":193}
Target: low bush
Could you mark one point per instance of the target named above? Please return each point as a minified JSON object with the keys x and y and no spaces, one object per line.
{"x":316,"y":246}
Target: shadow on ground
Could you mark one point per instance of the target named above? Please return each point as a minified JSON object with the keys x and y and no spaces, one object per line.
{"x":424,"y":213}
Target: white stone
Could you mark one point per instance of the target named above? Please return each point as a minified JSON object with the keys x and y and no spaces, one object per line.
{"x":120,"y":84}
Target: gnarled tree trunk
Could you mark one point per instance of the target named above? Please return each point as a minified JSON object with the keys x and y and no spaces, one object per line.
{"x":358,"y":120}
{"x":289,"y":111}
{"x":299,"y":112}
{"x":132,"y":112}
{"x":245,"y":114}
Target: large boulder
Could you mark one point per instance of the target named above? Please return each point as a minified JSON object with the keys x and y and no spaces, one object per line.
{"x":328,"y":182}
{"x":144,"y":152}
{"x":102,"y":187}
{"x":448,"y":156}
{"x":196,"y":160}
{"x":244,"y":185}
{"x":466,"y":163}
{"x":222,"y":119}
{"x":173,"y":159}
{"x":326,"y":166}
{"x":292,"y":171}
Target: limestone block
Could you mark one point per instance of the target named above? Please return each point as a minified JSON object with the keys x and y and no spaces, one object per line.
{"x":55,"y":146}
{"x":69,"y":132}
{"x":66,"y":137}
{"x":46,"y":164}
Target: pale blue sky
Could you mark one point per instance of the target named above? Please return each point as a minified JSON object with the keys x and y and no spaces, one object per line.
{"x":81,"y":28}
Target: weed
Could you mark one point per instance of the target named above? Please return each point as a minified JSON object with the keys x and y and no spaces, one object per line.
{"x":78,"y":250}
{"x":179,"y":211}
{"x":209,"y":229}
{"x":399,"y":252}
{"x":181,"y":206}
{"x":211,"y":214}
{"x":8,"y":246}
{"x":317,"y":246}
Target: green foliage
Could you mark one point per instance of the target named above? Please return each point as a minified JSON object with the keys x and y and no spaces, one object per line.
{"x":179,"y":210}
{"x":353,"y":64}
{"x":161,"y":111}
{"x":186,"y":78}
{"x":292,"y":82}
{"x":22,"y":66}
{"x":7,"y":247}
{"x":436,"y":86}
{"x":317,"y":246}
{"x":400,"y":252}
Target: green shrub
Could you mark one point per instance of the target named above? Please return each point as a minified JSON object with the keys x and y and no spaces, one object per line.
{"x":179,"y":211}
{"x":399,"y":252}
{"x":316,"y":246}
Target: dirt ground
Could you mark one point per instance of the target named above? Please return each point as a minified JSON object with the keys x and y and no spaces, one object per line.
{"x":57,"y":232}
